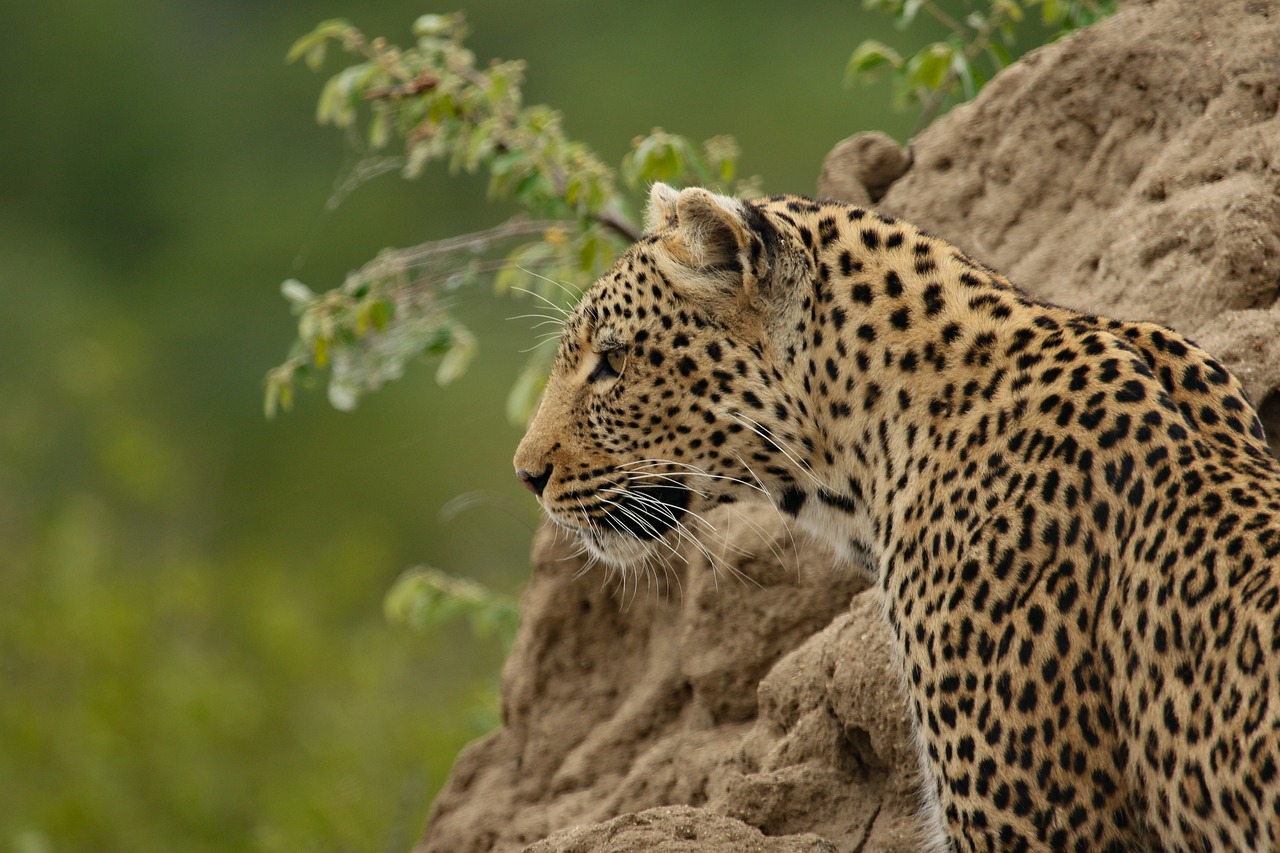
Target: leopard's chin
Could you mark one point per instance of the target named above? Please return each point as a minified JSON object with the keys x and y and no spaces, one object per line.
{"x":617,"y":550}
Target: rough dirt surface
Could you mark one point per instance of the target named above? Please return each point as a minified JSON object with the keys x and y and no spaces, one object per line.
{"x":1132,"y":170}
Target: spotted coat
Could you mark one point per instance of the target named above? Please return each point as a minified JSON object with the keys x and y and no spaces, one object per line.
{"x":1074,"y":521}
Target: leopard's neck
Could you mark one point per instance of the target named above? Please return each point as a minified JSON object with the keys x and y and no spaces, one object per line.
{"x":891,"y":368}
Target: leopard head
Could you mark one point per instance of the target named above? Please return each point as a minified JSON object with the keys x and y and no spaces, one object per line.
{"x":671,"y":390}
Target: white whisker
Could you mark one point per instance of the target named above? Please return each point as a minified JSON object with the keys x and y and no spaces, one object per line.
{"x":778,"y":442}
{"x":573,"y":293}
{"x":786,"y":525}
{"x":543,"y":319}
{"x":550,"y":303}
{"x":717,"y":563}
{"x":691,"y":471}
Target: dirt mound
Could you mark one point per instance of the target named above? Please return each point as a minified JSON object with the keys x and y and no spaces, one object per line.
{"x":747,"y":701}
{"x":705,"y":685}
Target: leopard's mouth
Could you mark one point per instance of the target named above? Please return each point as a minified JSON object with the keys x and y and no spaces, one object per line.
{"x":636,"y":520}
{"x":648,"y":511}
{"x":616,"y":550}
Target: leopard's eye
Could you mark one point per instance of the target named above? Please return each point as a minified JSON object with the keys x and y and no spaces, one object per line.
{"x":610,"y":365}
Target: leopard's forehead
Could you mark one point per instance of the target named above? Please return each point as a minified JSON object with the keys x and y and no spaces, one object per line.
{"x":633,"y":294}
{"x":634,"y":281}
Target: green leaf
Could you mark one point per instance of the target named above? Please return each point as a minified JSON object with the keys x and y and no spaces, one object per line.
{"x":964,"y":72}
{"x":343,"y":396}
{"x":437,"y":26}
{"x":910,"y":9}
{"x":286,"y":396}
{"x":311,"y":47}
{"x":928,"y":68}
{"x":296,"y":292}
{"x":868,"y":59}
{"x":315,"y":56}
{"x":424,"y":598}
{"x":272,"y":401}
{"x":522,"y":399}
{"x":660,"y":156}
{"x":330,"y":103}
{"x":337,"y":105}
{"x":533,"y":191}
{"x":507,"y":162}
{"x":1011,"y":9}
{"x":455,"y":361}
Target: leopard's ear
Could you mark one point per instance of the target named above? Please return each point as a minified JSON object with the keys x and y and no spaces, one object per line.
{"x":714,"y":229}
{"x":662,"y":208}
{"x":723,"y":247}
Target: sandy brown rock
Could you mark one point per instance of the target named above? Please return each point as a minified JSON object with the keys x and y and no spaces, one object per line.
{"x":831,"y":751}
{"x":1132,"y":170}
{"x":619,"y":699}
{"x":861,"y":169}
{"x":676,"y":829}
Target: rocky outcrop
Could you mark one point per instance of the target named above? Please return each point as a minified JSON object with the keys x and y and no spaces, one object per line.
{"x":709,"y":683}
{"x":748,"y":700}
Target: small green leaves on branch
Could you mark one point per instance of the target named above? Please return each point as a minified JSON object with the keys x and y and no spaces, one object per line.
{"x":390,"y":311}
{"x":672,"y":159}
{"x":954,"y":69}
{"x":869,"y":59}
{"x":443,"y":107}
{"x":425,"y":599}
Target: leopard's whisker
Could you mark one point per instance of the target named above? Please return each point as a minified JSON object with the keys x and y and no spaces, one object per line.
{"x":691,"y":471}
{"x":655,"y":504}
{"x":686,"y":534}
{"x":777,"y":441}
{"x":573,"y":293}
{"x":786,"y":525}
{"x":550,"y":303}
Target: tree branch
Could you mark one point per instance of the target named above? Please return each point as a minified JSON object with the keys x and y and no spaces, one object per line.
{"x":617,"y":224}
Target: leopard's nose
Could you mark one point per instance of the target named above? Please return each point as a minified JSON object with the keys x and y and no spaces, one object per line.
{"x":534,"y":482}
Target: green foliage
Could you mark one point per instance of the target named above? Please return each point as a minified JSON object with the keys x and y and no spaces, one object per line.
{"x":434,"y":99}
{"x":207,"y":716}
{"x":426,"y":599}
{"x":977,"y":46}
{"x":443,"y":107}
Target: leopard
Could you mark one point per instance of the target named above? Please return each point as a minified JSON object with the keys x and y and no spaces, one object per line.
{"x":1073,"y":521}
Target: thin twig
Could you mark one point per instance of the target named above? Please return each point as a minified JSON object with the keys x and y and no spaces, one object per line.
{"x":614,"y":222}
{"x":424,"y":82}
{"x":944,"y":19}
{"x":480,"y":241}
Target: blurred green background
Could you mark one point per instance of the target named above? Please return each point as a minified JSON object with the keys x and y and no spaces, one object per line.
{"x":192,"y":648}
